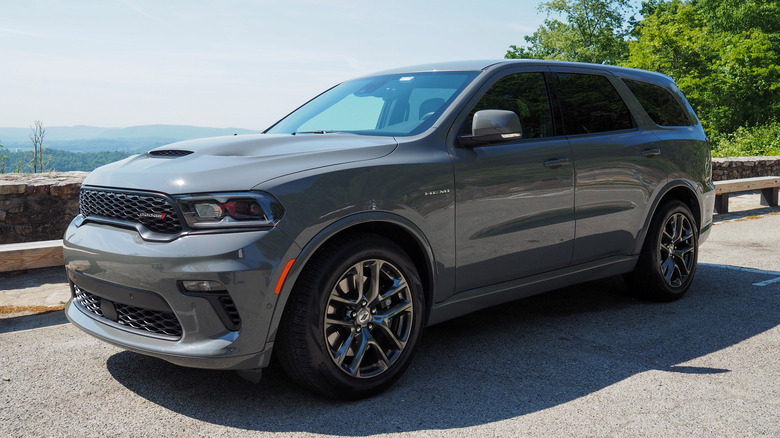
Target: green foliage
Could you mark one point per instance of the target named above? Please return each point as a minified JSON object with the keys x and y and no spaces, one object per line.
{"x":720,"y":55}
{"x":593,"y":31}
{"x":65,"y":161}
{"x":735,"y":16}
{"x":674,"y":40}
{"x":749,"y":142}
{"x":3,"y":157}
{"x":723,"y":54}
{"x":746,"y":88}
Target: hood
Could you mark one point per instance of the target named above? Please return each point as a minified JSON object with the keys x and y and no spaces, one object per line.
{"x":235,"y":163}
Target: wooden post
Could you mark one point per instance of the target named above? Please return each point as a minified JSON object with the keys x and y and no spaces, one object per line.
{"x":769,"y":196}
{"x":31,"y":255}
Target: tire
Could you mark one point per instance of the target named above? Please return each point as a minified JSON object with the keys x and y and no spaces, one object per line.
{"x":354,"y":318}
{"x":667,"y":263}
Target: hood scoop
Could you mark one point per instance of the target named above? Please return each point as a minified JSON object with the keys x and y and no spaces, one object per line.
{"x":169,"y":153}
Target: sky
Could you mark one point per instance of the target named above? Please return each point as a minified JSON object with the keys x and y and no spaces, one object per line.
{"x":231,"y":63}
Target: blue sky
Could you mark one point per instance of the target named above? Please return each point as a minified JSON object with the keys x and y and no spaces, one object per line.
{"x":118,"y":63}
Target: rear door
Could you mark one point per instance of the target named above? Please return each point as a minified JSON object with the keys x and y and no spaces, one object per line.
{"x":618,"y":164}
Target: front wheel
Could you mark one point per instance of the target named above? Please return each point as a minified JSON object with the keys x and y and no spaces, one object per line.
{"x":667,"y":263}
{"x":354,"y":318}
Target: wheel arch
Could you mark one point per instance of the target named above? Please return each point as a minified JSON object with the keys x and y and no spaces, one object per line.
{"x":681,"y":191}
{"x":396,"y":228}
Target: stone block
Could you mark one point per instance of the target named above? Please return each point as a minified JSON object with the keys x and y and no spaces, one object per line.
{"x":19,"y":219}
{"x":64,"y":190}
{"x":11,"y":188}
{"x":37,"y":190}
{"x":16,"y":208}
{"x":23,"y":230}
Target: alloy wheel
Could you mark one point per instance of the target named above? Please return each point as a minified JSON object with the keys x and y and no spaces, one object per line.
{"x":368,"y":318}
{"x":677,"y":249}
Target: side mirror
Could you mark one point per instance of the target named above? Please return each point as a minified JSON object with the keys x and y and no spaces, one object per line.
{"x":492,"y":126}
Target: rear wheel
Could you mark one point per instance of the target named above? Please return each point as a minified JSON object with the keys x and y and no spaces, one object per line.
{"x":354,"y":319}
{"x":669,"y":256}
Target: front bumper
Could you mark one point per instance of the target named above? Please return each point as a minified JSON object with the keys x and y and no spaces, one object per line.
{"x":113,"y":269}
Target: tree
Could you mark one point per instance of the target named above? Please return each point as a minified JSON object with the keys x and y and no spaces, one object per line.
{"x":748,"y":73}
{"x":674,"y":40}
{"x":37,"y":133}
{"x":735,"y":16}
{"x":723,"y":55}
{"x":2,"y":161}
{"x":593,"y":31}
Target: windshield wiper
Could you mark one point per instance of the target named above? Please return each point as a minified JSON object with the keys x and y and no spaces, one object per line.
{"x":315,"y":132}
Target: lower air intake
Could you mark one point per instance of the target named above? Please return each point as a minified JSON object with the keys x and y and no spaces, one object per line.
{"x":143,"y":321}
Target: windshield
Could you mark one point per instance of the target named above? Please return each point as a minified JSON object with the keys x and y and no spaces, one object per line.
{"x":388,"y":105}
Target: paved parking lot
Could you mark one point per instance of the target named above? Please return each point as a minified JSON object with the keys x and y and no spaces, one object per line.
{"x":589,"y":360}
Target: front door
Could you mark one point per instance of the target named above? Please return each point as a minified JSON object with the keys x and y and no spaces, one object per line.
{"x":514,"y":200}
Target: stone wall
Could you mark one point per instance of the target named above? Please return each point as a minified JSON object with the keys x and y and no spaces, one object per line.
{"x":744,"y":167}
{"x":37,"y":206}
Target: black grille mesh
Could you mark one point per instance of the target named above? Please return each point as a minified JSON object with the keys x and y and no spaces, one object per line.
{"x":230,"y":309}
{"x":169,"y":153}
{"x":152,"y":321}
{"x":153,"y":211}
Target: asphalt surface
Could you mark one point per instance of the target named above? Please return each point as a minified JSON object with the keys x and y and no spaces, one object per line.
{"x":589,"y":360}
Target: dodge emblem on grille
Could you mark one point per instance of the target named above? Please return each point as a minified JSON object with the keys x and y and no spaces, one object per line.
{"x":152,"y":215}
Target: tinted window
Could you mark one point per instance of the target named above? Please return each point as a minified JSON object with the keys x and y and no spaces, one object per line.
{"x":659,"y":103}
{"x":526,"y":95}
{"x":591,"y":104}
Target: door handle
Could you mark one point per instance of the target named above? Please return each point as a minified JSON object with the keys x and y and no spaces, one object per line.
{"x":556,"y":163}
{"x":651,"y":152}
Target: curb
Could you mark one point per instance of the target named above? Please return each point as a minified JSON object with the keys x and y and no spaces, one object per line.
{"x":13,"y":311}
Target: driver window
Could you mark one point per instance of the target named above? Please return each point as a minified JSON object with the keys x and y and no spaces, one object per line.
{"x":526,"y":95}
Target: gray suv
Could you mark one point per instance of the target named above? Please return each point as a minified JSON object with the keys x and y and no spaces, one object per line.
{"x":386,"y":204}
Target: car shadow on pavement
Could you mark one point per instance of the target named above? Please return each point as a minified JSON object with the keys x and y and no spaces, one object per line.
{"x":745,"y":214}
{"x":493,"y":365}
{"x":34,"y":321}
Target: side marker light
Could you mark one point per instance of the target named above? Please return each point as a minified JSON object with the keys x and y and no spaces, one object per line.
{"x":285,"y":271}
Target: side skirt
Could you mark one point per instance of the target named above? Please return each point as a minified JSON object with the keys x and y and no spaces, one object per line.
{"x":488,"y":296}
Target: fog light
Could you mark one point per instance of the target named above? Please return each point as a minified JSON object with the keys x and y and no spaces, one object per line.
{"x":203,"y":286}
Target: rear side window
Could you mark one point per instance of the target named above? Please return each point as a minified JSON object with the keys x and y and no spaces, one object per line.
{"x":591,"y":104}
{"x":659,"y":103}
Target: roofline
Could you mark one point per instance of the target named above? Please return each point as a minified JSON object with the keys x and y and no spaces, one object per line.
{"x":484,"y":65}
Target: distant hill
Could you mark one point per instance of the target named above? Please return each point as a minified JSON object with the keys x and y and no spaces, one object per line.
{"x":60,"y":161}
{"x":92,"y":138}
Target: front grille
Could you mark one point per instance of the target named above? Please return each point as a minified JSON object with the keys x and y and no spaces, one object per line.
{"x":88,"y":301}
{"x":169,"y":153}
{"x":135,"y":318}
{"x":153,"y":211}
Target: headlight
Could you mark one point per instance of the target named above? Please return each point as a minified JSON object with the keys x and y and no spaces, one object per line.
{"x":230,"y":210}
